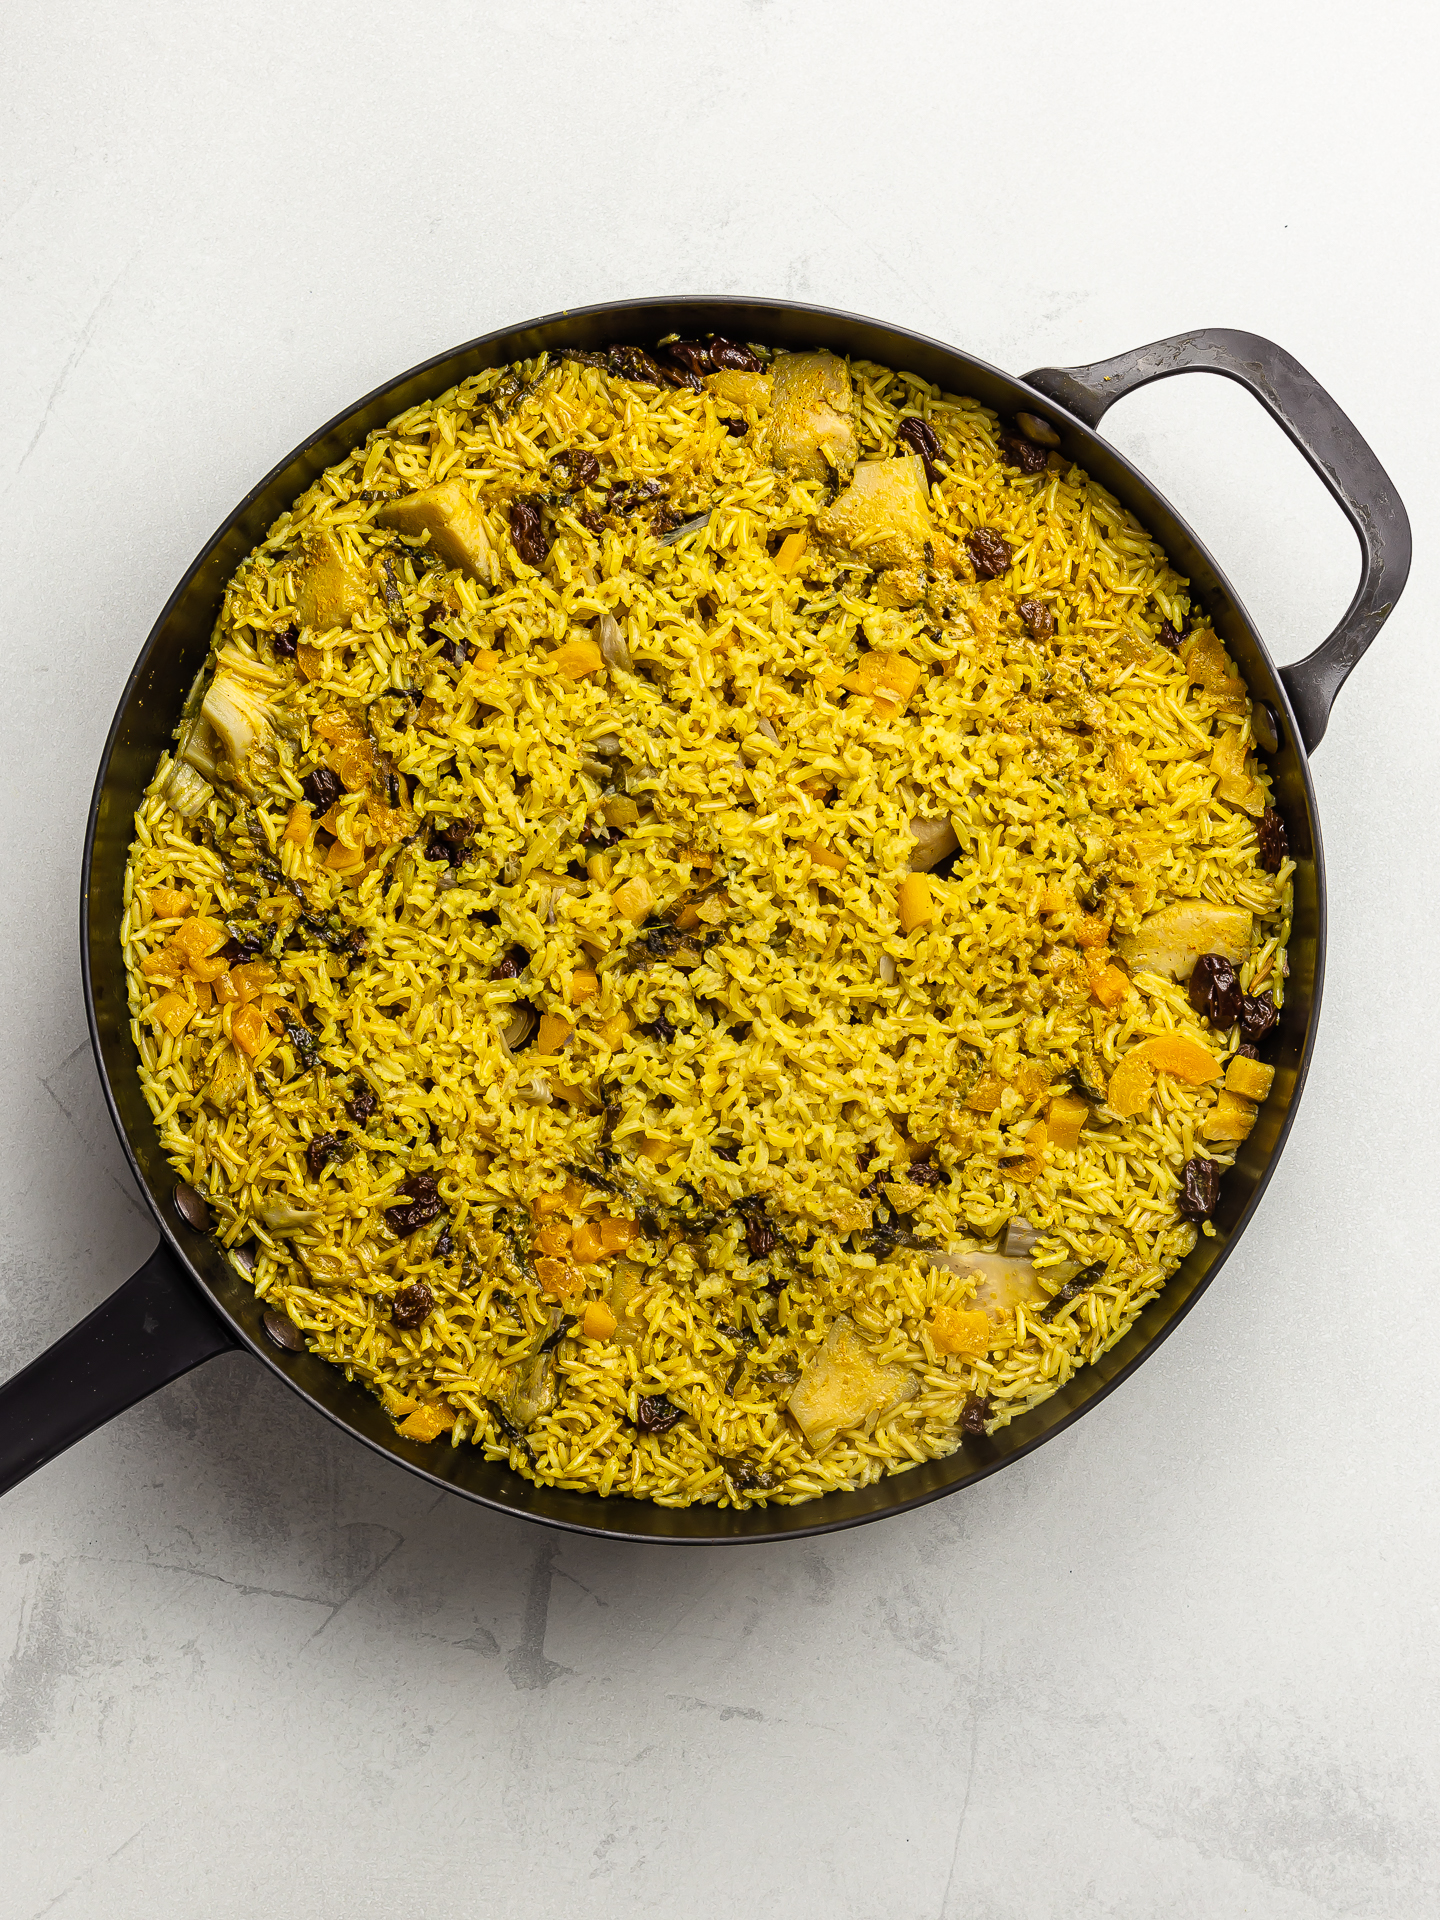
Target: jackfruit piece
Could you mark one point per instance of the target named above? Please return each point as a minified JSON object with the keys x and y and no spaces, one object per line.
{"x":811,"y":430}
{"x":453,"y":522}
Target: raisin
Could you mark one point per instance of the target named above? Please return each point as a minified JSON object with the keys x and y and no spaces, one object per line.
{"x":976,"y":1412}
{"x":582,"y":358}
{"x":527,"y":532}
{"x":655,"y":1414}
{"x":921,"y":438}
{"x":1215,"y":990}
{"x":659,"y":1029}
{"x":285,"y":642}
{"x":989,"y":554}
{"x":1257,"y":1015}
{"x":574,"y":469}
{"x":727,"y":354}
{"x":760,"y":1236}
{"x":412,"y":1306}
{"x":1246,"y":1052}
{"x":692,"y":355}
{"x":456,"y":652}
{"x":407,"y":1220}
{"x":451,"y":843}
{"x":512,"y":965}
{"x":627,"y":499}
{"x":320,"y":1152}
{"x":1038,"y":617}
{"x":322,"y":788}
{"x":592,"y":522}
{"x":921,"y":1174}
{"x":363,"y":1103}
{"x":631,"y":363}
{"x":1022,"y":453}
{"x":1274,"y":841}
{"x":1168,"y":637}
{"x":737,"y":429}
{"x":420,"y":1186}
{"x":1200,"y":1189}
{"x":444,"y":1245}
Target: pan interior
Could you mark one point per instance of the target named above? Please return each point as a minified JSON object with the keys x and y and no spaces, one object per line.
{"x":148,"y":713}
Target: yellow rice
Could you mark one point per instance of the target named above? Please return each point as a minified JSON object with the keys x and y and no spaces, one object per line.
{"x":795,"y":1074}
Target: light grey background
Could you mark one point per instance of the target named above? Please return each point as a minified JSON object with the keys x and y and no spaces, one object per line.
{"x":1184,"y":1660}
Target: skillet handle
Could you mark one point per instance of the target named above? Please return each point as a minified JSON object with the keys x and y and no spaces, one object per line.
{"x":150,"y":1331}
{"x":1328,"y":440}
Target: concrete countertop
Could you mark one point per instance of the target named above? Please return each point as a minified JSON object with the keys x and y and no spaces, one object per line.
{"x":1183,"y":1660}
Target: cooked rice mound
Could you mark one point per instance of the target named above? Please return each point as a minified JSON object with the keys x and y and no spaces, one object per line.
{"x":666,"y":970}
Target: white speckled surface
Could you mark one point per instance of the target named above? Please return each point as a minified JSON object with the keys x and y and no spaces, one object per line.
{"x":1183,"y":1661}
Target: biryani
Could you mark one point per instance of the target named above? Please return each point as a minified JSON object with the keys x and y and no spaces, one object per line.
{"x":712,"y":921}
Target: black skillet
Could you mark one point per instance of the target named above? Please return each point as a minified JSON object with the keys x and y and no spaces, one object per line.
{"x":186,"y":1304}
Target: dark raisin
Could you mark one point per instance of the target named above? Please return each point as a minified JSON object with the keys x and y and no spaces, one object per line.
{"x":527,"y":532}
{"x":726,"y":353}
{"x":407,"y":1220}
{"x":444,"y":1244}
{"x":692,"y":355}
{"x":1038,"y":617}
{"x":581,"y":357}
{"x":282,"y":1330}
{"x":627,"y":499}
{"x":451,"y":843}
{"x":420,"y":1186}
{"x":592,"y":522}
{"x":737,"y":429}
{"x":922,"y":438}
{"x":412,"y":1306}
{"x":989,"y":554}
{"x":320,"y":1152}
{"x":456,"y":652}
{"x":1274,"y":841}
{"x":922,"y":1174}
{"x":659,"y":1029}
{"x":364,"y":1102}
{"x":746,"y":1478}
{"x":1215,"y":990}
{"x":1246,"y":1052}
{"x":1200,"y":1188}
{"x":322,"y":788}
{"x":573,"y":469}
{"x":681,"y":377}
{"x":631,"y":363}
{"x":1168,"y":637}
{"x":655,"y":1414}
{"x":513,"y":963}
{"x":665,"y":520}
{"x":976,"y":1412}
{"x":1257,"y":1016}
{"x":191,"y":1208}
{"x":1022,"y":453}
{"x":285,"y":642}
{"x":760,"y":1236}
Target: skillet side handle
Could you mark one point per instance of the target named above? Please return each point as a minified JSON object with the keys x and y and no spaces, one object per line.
{"x":150,"y":1331}
{"x":1328,"y":440}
